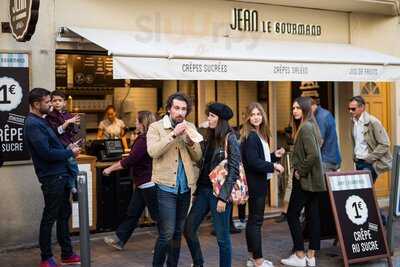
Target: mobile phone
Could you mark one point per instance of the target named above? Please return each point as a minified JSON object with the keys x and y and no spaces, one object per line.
{"x":78,"y":142}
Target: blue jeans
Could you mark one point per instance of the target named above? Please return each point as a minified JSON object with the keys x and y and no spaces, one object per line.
{"x":172,"y":210}
{"x":203,"y":203}
{"x":363,"y":165}
{"x":74,"y":170}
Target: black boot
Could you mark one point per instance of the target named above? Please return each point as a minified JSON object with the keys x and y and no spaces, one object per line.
{"x":234,"y":230}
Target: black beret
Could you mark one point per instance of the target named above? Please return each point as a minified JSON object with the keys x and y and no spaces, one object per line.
{"x":221,"y":110}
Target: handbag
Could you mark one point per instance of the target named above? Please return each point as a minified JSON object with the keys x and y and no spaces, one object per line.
{"x":240,"y":191}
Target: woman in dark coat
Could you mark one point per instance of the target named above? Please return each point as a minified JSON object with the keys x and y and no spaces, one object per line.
{"x":205,"y":200}
{"x":259,"y":165}
{"x":307,"y":182}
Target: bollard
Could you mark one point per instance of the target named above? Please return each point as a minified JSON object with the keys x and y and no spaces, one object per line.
{"x":84,"y":219}
{"x":393,"y":197}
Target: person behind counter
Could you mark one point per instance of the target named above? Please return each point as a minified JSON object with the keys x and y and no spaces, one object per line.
{"x":112,"y":127}
{"x":145,"y":192}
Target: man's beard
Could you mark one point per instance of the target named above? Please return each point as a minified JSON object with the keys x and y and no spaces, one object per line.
{"x":177,"y":120}
{"x":44,"y":111}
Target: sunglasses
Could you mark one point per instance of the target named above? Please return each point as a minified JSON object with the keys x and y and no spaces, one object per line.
{"x":352,"y":109}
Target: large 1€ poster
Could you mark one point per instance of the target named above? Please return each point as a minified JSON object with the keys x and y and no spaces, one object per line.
{"x":14,"y":105}
{"x":358,"y":223}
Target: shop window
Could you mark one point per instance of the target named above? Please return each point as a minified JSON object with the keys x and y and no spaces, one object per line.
{"x":370,"y":89}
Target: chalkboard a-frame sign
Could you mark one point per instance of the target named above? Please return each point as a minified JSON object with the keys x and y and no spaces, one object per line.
{"x":357,"y":218}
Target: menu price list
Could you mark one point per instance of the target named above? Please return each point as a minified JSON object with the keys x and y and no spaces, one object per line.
{"x":87,"y":71}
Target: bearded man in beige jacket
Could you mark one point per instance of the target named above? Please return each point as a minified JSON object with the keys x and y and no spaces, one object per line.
{"x":175,"y":174}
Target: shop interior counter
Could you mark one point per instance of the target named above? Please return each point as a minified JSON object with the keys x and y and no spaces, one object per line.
{"x":108,"y":196}
{"x":113,"y":195}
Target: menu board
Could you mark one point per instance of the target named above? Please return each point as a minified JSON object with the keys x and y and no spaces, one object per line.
{"x":85,"y":71}
{"x":357,"y":217}
{"x":14,"y":105}
{"x":61,"y":70}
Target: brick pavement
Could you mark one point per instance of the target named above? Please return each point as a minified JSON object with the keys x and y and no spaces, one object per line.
{"x":138,"y":251}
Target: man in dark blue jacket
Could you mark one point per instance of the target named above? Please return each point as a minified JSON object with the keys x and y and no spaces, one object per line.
{"x":330,"y":151}
{"x":51,"y":166}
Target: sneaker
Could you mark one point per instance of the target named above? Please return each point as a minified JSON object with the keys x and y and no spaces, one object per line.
{"x":250,"y":262}
{"x":266,"y":264}
{"x":74,"y":259}
{"x":240,"y":225}
{"x":51,"y":262}
{"x":113,"y":242}
{"x":310,"y":261}
{"x":293,"y":260}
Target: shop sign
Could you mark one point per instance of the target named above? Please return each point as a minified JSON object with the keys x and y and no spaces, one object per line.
{"x":201,"y":69}
{"x":357,"y":218}
{"x":14,"y":105}
{"x":246,"y":20}
{"x":24,"y":15}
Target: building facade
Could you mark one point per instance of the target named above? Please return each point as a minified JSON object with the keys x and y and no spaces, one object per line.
{"x":232,"y":25}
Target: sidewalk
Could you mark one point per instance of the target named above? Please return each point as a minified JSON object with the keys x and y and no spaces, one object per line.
{"x":138,"y":251}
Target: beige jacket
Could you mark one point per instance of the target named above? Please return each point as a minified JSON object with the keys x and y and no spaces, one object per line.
{"x":378,"y":143}
{"x":164,"y":149}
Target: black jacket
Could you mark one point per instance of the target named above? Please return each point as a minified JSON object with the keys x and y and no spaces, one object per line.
{"x":232,"y":166}
{"x":254,"y":164}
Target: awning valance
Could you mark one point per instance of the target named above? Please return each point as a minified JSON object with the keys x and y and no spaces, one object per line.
{"x":150,"y":55}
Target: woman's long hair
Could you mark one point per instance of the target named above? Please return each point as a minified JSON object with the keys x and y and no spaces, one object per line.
{"x":305,"y":104}
{"x":146,"y":118}
{"x":216,"y":137}
{"x":247,"y":127}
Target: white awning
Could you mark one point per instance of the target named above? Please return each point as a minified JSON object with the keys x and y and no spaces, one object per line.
{"x":150,"y":55}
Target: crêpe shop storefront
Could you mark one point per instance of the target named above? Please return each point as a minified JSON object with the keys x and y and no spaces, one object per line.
{"x":134,"y":54}
{"x":141,"y":55}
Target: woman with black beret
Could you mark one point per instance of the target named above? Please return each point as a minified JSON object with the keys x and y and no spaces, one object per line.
{"x":204,"y":199}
